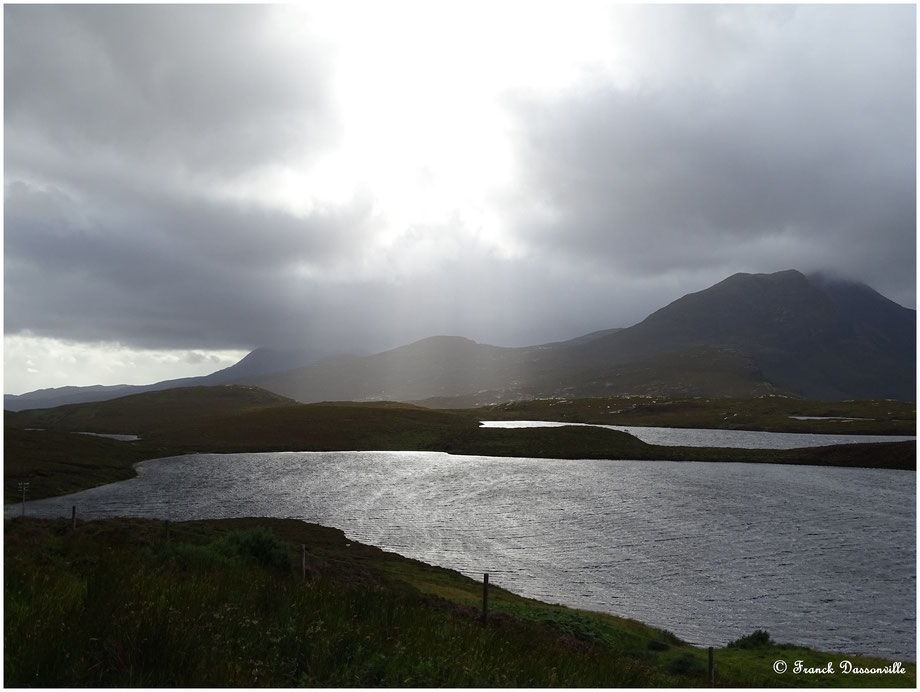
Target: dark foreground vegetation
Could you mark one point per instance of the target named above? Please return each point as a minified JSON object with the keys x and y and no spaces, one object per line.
{"x":246,"y":419}
{"x":126,"y":602}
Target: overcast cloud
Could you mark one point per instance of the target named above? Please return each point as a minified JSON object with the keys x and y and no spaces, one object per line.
{"x":185,"y":183}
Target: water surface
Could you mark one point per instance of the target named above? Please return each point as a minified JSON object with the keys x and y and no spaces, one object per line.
{"x":113,"y":436}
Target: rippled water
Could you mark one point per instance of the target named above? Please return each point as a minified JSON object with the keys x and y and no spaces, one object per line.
{"x":707,"y":437}
{"x":818,"y":556}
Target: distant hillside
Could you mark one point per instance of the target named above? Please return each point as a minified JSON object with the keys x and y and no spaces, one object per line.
{"x":140,"y":414}
{"x":437,"y":366}
{"x":748,"y":335}
{"x":58,"y":396}
{"x":259,"y":361}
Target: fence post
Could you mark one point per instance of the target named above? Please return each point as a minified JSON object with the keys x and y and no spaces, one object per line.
{"x":73,"y":517}
{"x":712,"y":670}
{"x":485,"y":597}
{"x":23,"y":486}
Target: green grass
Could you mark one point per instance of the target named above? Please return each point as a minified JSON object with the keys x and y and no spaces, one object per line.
{"x":224,"y":604}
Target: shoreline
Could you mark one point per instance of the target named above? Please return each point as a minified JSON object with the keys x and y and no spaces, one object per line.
{"x":341,"y":568}
{"x":56,"y":462}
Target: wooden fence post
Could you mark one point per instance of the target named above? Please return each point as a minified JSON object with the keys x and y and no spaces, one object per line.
{"x":485,"y":597}
{"x":24,"y":487}
{"x":73,"y":517}
{"x":712,"y":670}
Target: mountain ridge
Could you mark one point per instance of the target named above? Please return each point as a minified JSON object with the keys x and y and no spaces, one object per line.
{"x":750,"y":334}
{"x":810,"y":336}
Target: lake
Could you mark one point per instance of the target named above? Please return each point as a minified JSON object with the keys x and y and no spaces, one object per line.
{"x":819,"y":556}
{"x":710,"y":437}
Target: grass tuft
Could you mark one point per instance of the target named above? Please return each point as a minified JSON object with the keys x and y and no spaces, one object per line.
{"x":754,"y":640}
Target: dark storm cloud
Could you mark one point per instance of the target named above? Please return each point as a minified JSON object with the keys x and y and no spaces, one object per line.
{"x":162,"y":271}
{"x":795,"y":150}
{"x":196,"y":87}
{"x":142,"y":145}
{"x":121,"y":123}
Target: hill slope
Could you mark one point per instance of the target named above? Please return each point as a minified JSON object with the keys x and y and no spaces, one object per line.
{"x":150,"y":412}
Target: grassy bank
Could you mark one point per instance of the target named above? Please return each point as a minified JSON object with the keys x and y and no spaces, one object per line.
{"x":57,"y":463}
{"x":769,"y":413}
{"x":599,"y":443}
{"x":225,"y":603}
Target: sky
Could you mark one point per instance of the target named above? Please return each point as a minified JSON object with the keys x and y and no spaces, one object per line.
{"x":185,"y":183}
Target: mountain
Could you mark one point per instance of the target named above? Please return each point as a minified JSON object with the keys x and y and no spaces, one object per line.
{"x":264,"y":360}
{"x":437,"y":366}
{"x":752,"y":334}
{"x":257,"y":362}
{"x":814,"y":337}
